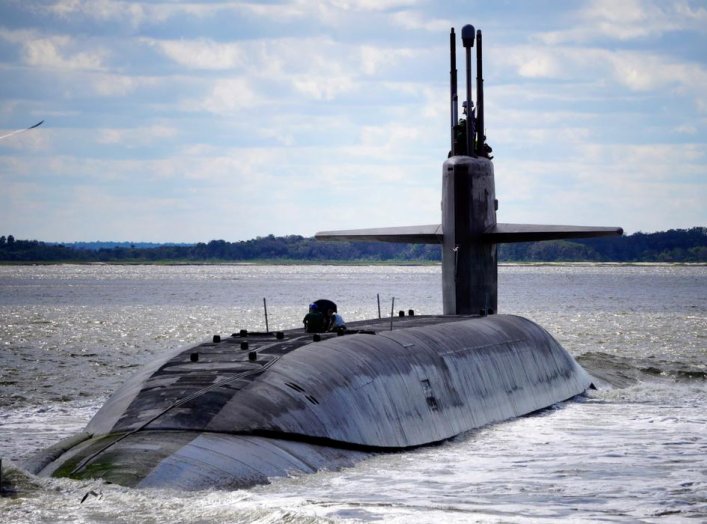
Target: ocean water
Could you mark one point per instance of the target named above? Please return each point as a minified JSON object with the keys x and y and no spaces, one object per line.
{"x":635,"y":450}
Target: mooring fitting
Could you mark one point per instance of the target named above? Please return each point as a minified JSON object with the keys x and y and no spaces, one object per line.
{"x":194,"y":357}
{"x":244,"y":345}
{"x":217,"y":338}
{"x":253,"y":356}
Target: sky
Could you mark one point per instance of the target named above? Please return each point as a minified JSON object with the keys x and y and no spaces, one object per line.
{"x":174,"y":121}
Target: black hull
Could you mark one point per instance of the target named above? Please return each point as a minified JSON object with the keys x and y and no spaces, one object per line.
{"x":298,"y":406}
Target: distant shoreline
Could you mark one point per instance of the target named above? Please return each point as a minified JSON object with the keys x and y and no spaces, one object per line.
{"x":675,"y":245}
{"x":345,"y":263}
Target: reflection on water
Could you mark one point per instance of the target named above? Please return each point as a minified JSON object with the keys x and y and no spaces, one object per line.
{"x":635,"y":449}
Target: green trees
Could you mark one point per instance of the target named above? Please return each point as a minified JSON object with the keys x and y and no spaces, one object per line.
{"x":675,"y":245}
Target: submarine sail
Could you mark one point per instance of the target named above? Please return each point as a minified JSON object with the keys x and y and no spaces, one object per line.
{"x":469,"y":232}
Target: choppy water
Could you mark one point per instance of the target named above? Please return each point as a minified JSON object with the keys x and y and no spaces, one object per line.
{"x":636,"y":450}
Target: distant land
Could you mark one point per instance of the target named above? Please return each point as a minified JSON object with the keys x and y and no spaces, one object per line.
{"x":675,"y":245}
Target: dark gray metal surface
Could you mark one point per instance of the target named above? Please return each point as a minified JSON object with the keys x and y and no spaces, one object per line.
{"x":428,"y":234}
{"x":506,"y":233}
{"x":469,"y":267}
{"x":191,"y":460}
{"x":224,"y":421}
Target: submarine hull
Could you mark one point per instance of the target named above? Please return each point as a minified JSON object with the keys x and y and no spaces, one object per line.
{"x":234,"y":417}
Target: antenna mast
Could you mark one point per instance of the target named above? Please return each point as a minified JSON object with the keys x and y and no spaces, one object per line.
{"x":480,"y":131}
{"x":468,"y":35}
{"x":453,"y":99}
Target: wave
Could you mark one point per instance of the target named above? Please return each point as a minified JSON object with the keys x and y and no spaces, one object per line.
{"x":621,"y":371}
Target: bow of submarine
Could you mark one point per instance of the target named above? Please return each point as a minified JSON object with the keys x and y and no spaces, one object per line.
{"x":222,"y":420}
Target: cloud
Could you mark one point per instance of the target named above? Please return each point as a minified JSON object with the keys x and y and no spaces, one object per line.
{"x":372,"y":5}
{"x":686,"y":129}
{"x":137,"y":14}
{"x":282,"y":69}
{"x":328,"y":11}
{"x":646,"y":163}
{"x":226,"y":95}
{"x":419,"y":20}
{"x":100,"y":9}
{"x":375,"y":58}
{"x":136,"y":137}
{"x":637,"y":187}
{"x":645,"y":71}
{"x":637,"y":71}
{"x":323,"y":87}
{"x":115,"y":85}
{"x":628,"y":20}
{"x":54,"y":51}
{"x":201,"y":54}
{"x":258,"y":58}
{"x":134,"y":13}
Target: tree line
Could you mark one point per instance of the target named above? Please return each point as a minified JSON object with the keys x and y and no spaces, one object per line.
{"x":675,"y":245}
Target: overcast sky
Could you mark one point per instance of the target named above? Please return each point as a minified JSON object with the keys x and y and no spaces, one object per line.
{"x":184,"y":122}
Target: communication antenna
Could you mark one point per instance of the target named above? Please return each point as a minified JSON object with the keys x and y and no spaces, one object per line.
{"x":480,"y":132}
{"x":453,"y":98}
{"x":468,"y":35}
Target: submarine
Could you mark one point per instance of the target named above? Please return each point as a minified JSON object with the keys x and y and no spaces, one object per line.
{"x":236,"y":411}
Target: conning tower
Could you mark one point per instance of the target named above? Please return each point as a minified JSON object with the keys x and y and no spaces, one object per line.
{"x":469,"y":233}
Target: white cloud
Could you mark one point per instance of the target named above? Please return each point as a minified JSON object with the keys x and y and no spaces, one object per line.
{"x":143,"y":136}
{"x":99,"y":9}
{"x":118,"y":85}
{"x":645,"y":163}
{"x":391,"y":137}
{"x":421,"y":20}
{"x":54,"y":51}
{"x":332,"y":12}
{"x":637,"y":187}
{"x":628,"y":20}
{"x":686,"y":129}
{"x":644,"y":71}
{"x":539,"y":65}
{"x":267,"y":58}
{"x":373,"y":58}
{"x":135,"y":13}
{"x":696,"y":15}
{"x":288,"y":11}
{"x":226,"y":95}
{"x":301,"y":69}
{"x":635,"y":70}
{"x":372,"y":5}
{"x":538,"y":61}
{"x":18,"y":36}
{"x":201,"y":54}
{"x":323,"y":87}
